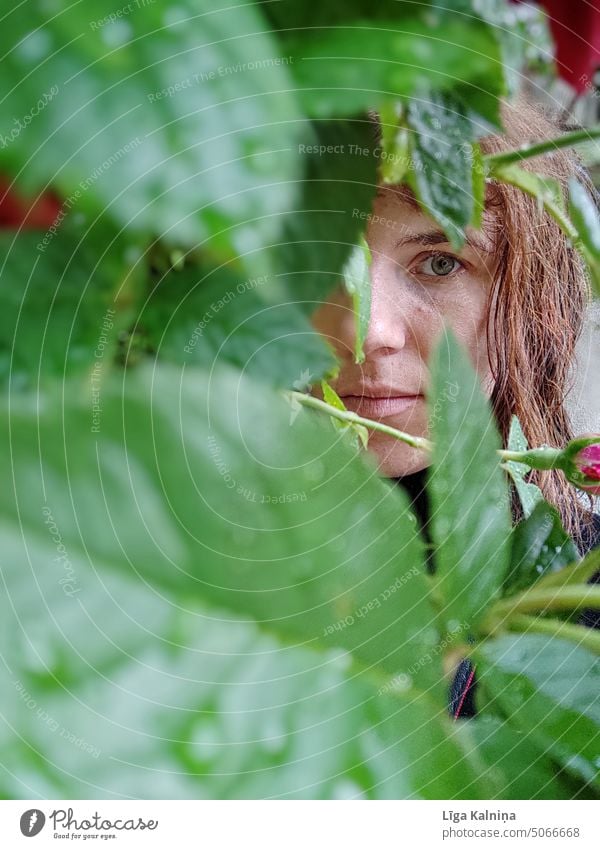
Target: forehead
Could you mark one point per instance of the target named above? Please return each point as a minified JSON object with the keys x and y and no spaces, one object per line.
{"x":396,"y":208}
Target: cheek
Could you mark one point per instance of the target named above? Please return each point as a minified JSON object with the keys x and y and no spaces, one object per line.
{"x":469,"y":320}
{"x":425,"y":321}
{"x":334,"y":319}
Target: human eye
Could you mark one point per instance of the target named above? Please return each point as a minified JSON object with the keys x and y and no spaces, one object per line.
{"x":437,"y":265}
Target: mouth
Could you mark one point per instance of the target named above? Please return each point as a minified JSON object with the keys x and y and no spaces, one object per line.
{"x":388,"y":405}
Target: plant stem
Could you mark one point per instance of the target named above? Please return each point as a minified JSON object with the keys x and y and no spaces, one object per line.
{"x":588,"y":637}
{"x":528,"y":151}
{"x":569,"y":598}
{"x":352,"y":418}
{"x":535,"y":458}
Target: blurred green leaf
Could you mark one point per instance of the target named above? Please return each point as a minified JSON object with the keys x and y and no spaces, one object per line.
{"x":206,"y":316}
{"x":402,"y":724}
{"x":63,"y":304}
{"x":357,"y":279}
{"x":237,"y":499}
{"x":208,"y":592}
{"x":292,"y":15}
{"x":114,"y":690}
{"x":512,"y":760}
{"x":584,"y":215}
{"x":395,"y":155}
{"x":336,"y":196}
{"x":177,"y":121}
{"x":358,"y":65}
{"x":470,"y":517}
{"x":316,"y":571}
{"x":519,"y":32}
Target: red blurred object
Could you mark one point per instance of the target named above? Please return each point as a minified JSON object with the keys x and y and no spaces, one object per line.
{"x":16,"y":212}
{"x":575,"y":26}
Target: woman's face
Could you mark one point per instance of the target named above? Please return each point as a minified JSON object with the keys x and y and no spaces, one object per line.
{"x":419,"y":285}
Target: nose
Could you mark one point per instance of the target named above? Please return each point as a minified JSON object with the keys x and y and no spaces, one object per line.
{"x":387,"y":331}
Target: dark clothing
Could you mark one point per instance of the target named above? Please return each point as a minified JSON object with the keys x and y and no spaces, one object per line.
{"x":461,"y":696}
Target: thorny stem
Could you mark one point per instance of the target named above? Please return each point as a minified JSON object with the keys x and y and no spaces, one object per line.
{"x":536,"y":458}
{"x":353,"y":418}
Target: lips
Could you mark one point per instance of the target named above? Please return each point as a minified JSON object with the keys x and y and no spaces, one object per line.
{"x":380,"y":406}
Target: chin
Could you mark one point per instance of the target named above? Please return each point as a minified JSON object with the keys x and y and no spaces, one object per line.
{"x":394,"y":459}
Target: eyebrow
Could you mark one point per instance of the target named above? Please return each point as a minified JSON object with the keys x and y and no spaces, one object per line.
{"x":437,"y":237}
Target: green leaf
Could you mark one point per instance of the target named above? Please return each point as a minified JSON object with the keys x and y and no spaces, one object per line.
{"x":576,"y":573}
{"x":315,"y":572}
{"x":529,"y":494}
{"x":295,"y":15}
{"x":584,"y":214}
{"x":548,"y":689}
{"x":320,"y":230}
{"x":478,"y":177}
{"x":332,"y":398}
{"x":233,"y":506}
{"x":546,"y":189}
{"x":470,"y":516}
{"x":205,"y":316}
{"x":63,"y":303}
{"x":401,"y":724}
{"x":359,"y":433}
{"x":540,"y":546}
{"x":357,"y":279}
{"x":115,"y":691}
{"x":549,"y":194}
{"x":481,"y":759}
{"x":512,"y":29}
{"x":358,"y":65}
{"x":442,"y":162}
{"x":177,"y":122}
{"x":511,"y":760}
{"x":91,"y":308}
{"x":395,"y":155}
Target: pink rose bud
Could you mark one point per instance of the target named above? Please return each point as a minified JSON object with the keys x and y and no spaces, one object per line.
{"x":582,"y":466}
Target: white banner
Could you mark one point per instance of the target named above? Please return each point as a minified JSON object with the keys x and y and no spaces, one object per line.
{"x":300,"y":824}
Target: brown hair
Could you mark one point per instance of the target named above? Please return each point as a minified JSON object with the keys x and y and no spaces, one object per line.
{"x":538,"y":306}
